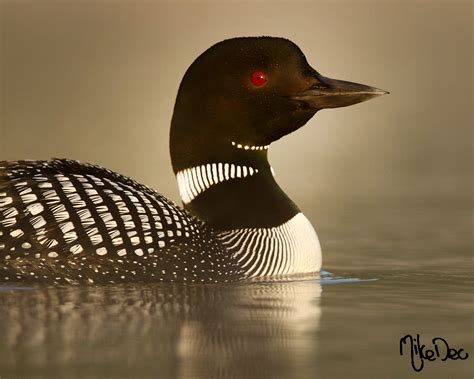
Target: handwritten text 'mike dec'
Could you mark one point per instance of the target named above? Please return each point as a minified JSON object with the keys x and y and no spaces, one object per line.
{"x":419,"y":352}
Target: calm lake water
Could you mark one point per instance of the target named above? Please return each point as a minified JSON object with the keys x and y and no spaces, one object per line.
{"x":396,"y":270}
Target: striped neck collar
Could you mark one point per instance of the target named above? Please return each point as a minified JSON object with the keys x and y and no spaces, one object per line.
{"x":195,"y":180}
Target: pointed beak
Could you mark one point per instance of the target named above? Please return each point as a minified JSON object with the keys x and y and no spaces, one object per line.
{"x":332,"y":93}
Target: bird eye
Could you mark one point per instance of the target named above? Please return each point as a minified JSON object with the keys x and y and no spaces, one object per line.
{"x":258,"y":78}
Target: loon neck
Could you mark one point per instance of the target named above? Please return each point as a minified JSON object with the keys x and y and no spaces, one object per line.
{"x":234,"y":189}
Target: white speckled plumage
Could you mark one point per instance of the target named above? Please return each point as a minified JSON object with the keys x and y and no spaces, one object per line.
{"x":88,"y":220}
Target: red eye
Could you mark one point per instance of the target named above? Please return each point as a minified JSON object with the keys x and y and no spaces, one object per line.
{"x":259,"y":78}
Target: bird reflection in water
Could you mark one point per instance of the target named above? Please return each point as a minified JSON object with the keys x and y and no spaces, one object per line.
{"x":162,"y":330}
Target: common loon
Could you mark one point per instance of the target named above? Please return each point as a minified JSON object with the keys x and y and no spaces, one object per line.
{"x":62,"y":221}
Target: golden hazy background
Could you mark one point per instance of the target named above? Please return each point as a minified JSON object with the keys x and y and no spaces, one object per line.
{"x":97,"y":80}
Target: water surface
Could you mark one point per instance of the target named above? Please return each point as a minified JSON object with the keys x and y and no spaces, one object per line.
{"x":389,"y":276}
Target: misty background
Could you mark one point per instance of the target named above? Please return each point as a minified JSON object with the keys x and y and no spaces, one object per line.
{"x":96,"y":81}
{"x":386,"y":183}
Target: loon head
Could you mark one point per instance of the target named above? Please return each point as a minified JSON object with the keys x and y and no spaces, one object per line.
{"x":246,"y":93}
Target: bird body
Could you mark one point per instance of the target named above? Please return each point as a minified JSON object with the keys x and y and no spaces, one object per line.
{"x":63,"y":221}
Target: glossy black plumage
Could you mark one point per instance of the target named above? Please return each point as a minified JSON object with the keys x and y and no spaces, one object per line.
{"x":66,"y":222}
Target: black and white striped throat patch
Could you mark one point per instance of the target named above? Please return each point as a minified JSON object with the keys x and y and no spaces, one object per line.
{"x":287,"y":249}
{"x":195,"y":180}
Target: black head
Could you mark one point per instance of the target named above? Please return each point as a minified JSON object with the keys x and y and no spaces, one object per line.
{"x":250,"y":91}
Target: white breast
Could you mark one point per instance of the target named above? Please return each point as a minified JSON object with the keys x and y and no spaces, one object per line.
{"x":290,"y":248}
